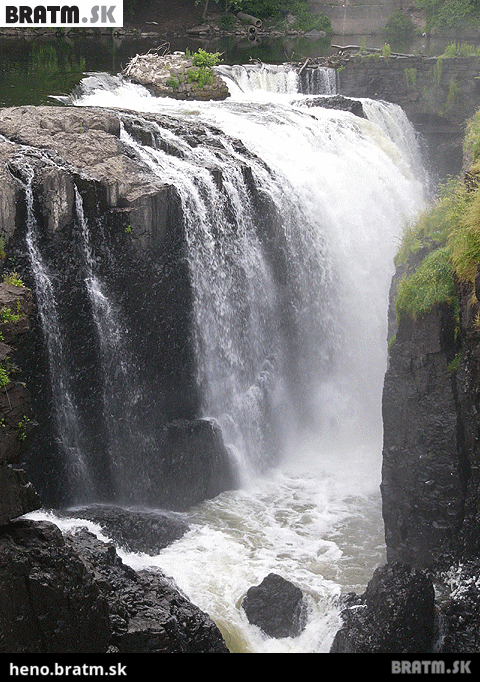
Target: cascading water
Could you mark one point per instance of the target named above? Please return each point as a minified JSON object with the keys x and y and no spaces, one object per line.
{"x":121,"y":382}
{"x":68,"y":424}
{"x":302,"y":331}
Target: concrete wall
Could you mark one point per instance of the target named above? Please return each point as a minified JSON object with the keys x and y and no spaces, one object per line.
{"x":438,"y":95}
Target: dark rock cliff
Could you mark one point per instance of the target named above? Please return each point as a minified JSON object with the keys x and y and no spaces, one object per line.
{"x":430,"y":488}
{"x":18,"y":496}
{"x":138,"y":241}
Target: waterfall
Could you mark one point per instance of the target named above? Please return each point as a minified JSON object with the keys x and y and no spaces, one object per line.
{"x":66,"y":417}
{"x":279,"y":78}
{"x":289,"y":304}
{"x":291,"y":216}
{"x":120,"y":380}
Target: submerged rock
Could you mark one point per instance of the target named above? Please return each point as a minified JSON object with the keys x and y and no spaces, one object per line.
{"x":338,"y":102}
{"x":135,"y":530}
{"x":276,"y":606}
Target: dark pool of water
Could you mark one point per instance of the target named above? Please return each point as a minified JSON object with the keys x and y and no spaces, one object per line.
{"x":35,"y":70}
{"x":32,"y":71}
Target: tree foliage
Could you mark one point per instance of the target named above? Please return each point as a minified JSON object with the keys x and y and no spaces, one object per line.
{"x":450,"y":14}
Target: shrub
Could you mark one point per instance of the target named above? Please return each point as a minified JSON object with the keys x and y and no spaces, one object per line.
{"x":204,"y":59}
{"x":399,"y":27}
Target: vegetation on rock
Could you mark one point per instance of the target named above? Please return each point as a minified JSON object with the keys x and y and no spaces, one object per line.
{"x":443,"y":246}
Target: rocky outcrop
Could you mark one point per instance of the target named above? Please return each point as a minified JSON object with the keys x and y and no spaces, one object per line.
{"x":73,"y":594}
{"x":339,"y":102}
{"x":424,"y":473}
{"x":133,"y":530}
{"x":396,"y":614}
{"x":140,"y":248}
{"x":176,"y":76}
{"x":276,"y":606}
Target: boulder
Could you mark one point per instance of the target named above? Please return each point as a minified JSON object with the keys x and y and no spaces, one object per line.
{"x":396,"y":614}
{"x":147,"y":612}
{"x":49,"y":601}
{"x":338,"y":102}
{"x":73,"y":594}
{"x":276,"y":606}
{"x":196,"y":462}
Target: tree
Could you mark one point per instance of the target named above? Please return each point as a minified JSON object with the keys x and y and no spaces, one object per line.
{"x":452,"y":14}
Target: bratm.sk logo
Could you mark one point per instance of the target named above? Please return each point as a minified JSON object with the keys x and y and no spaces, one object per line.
{"x":84,"y":13}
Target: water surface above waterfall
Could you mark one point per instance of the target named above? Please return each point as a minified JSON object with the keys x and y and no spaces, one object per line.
{"x":303,"y":333}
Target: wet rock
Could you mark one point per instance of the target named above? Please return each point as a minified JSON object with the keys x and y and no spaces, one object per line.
{"x":49,"y":601}
{"x":196,"y":462}
{"x":276,"y":606}
{"x":140,"y":251}
{"x":147,"y":612}
{"x":135,"y":530}
{"x":73,"y":594}
{"x":459,"y":610}
{"x":18,"y":495}
{"x":337,"y":102}
{"x":396,"y":614}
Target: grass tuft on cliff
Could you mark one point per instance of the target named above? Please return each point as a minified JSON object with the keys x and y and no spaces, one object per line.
{"x":444,"y":244}
{"x":429,"y":286}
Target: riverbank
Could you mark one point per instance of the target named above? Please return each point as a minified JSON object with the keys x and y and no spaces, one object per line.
{"x":182,"y":18}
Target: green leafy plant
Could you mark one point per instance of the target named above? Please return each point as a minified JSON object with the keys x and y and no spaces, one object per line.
{"x":6,"y":315}
{"x":411,"y":77}
{"x":399,"y":27}
{"x":22,"y":426}
{"x":201,"y":58}
{"x":4,"y":376}
{"x":201,"y":76}
{"x":13,"y":278}
{"x":386,"y":51}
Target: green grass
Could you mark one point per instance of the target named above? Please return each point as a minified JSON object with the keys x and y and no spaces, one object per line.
{"x":432,"y":284}
{"x":442,"y":245}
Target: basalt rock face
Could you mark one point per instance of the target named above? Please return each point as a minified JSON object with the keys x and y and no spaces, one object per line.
{"x":396,"y":614}
{"x":73,"y":594}
{"x":430,"y":483}
{"x":110,"y":237}
{"x":430,"y":455}
{"x":18,"y":495}
{"x":424,"y":469}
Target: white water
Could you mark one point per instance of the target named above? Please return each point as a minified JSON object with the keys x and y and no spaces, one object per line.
{"x":345,"y":188}
{"x":66,"y":418}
